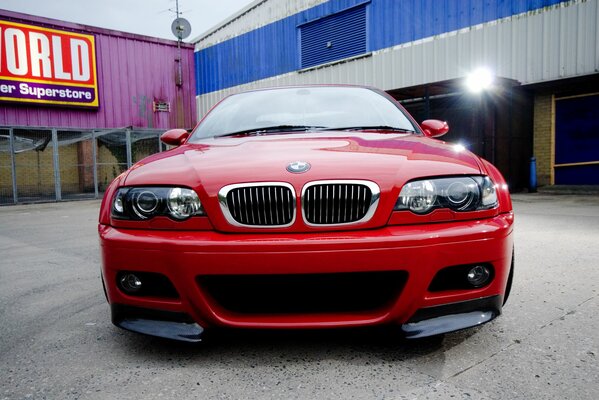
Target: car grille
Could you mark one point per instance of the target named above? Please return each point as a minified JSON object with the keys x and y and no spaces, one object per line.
{"x":304,"y":293}
{"x":267,"y":205}
{"x":339,"y":202}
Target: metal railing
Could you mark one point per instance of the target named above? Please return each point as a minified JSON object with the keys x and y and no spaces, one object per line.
{"x":53,"y":164}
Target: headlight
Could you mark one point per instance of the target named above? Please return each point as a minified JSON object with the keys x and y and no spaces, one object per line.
{"x":459,"y":194}
{"x":141,"y":203}
{"x":183,"y":203}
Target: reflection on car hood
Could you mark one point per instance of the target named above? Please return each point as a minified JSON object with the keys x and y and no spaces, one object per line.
{"x":388,"y":159}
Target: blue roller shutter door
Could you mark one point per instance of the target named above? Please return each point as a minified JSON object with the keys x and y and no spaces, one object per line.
{"x":334,"y":37}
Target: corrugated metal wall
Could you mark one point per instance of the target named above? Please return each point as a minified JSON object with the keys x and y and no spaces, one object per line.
{"x":253,"y":16}
{"x":549,"y":43}
{"x":272,"y":49}
{"x":133,"y":71}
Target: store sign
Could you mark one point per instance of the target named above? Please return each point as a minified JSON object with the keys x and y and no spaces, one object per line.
{"x":49,"y":66}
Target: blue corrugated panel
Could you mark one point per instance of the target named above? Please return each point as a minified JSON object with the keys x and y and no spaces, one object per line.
{"x":264,"y":52}
{"x":335,"y":37}
{"x":273,"y":49}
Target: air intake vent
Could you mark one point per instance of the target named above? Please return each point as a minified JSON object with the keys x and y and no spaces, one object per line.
{"x":304,"y":293}
{"x":339,"y":202}
{"x":258,"y":204}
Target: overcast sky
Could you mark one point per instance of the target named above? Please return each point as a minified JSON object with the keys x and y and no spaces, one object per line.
{"x":146,"y":17}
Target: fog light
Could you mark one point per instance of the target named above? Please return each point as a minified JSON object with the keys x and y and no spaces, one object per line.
{"x":130,"y":283}
{"x":478,"y":275}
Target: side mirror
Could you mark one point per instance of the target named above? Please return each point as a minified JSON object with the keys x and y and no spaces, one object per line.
{"x":174,"y":137}
{"x":434,"y":127}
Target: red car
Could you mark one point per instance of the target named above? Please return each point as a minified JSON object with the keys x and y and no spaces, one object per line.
{"x":307,"y":207}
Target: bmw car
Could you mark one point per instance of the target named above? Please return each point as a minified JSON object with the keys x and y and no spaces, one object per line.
{"x":306,"y":208}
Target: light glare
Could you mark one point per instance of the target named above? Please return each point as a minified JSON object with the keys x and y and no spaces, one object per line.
{"x":480,"y":79}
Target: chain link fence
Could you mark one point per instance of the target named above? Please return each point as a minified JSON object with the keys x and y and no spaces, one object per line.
{"x":45,"y":164}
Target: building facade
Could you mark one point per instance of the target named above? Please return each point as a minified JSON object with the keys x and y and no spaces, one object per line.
{"x":544,"y":55}
{"x":80,"y":104}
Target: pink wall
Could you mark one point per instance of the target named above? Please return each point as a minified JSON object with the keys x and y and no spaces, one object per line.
{"x":133,"y":71}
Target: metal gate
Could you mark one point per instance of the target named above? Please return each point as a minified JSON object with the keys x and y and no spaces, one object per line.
{"x":52,"y":164}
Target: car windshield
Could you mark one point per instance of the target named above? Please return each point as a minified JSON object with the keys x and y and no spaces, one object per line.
{"x":302,"y":109}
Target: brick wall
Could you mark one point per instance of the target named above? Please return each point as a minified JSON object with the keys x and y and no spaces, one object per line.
{"x":543,"y":137}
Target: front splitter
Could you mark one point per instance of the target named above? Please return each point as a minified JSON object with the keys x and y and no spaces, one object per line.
{"x":452,"y":317}
{"x":164,"y":324}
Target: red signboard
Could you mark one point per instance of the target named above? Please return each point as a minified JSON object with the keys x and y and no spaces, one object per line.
{"x":41,"y":65}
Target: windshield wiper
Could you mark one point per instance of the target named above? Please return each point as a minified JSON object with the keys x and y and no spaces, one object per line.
{"x":370,"y":127}
{"x":272,"y":129}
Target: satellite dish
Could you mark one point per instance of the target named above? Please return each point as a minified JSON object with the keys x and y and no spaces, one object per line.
{"x":181,"y":28}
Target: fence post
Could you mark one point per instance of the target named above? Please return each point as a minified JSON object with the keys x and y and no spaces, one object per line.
{"x":129,"y":155}
{"x":57,"y":186}
{"x":11,"y":148}
{"x":95,"y":164}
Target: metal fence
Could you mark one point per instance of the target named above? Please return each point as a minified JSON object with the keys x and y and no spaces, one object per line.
{"x":53,"y":164}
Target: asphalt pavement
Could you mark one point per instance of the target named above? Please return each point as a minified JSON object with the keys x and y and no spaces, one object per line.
{"x":57,"y":342}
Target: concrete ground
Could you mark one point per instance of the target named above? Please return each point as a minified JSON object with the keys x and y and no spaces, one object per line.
{"x":57,"y":342}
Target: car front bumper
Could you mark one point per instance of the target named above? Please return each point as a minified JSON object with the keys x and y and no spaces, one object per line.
{"x":418,"y":250}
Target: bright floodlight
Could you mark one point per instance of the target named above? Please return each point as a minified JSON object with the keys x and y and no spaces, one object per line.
{"x":480,"y":79}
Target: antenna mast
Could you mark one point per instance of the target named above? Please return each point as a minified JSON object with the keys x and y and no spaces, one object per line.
{"x":181,"y":28}
{"x":180,"y":59}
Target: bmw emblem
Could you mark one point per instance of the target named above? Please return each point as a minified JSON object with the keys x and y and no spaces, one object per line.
{"x":297,"y":167}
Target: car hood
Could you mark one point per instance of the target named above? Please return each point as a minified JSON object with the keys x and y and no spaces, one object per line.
{"x":220,"y":161}
{"x":390,"y":160}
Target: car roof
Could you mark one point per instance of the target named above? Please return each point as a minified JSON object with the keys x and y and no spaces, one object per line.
{"x":316,"y":85}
